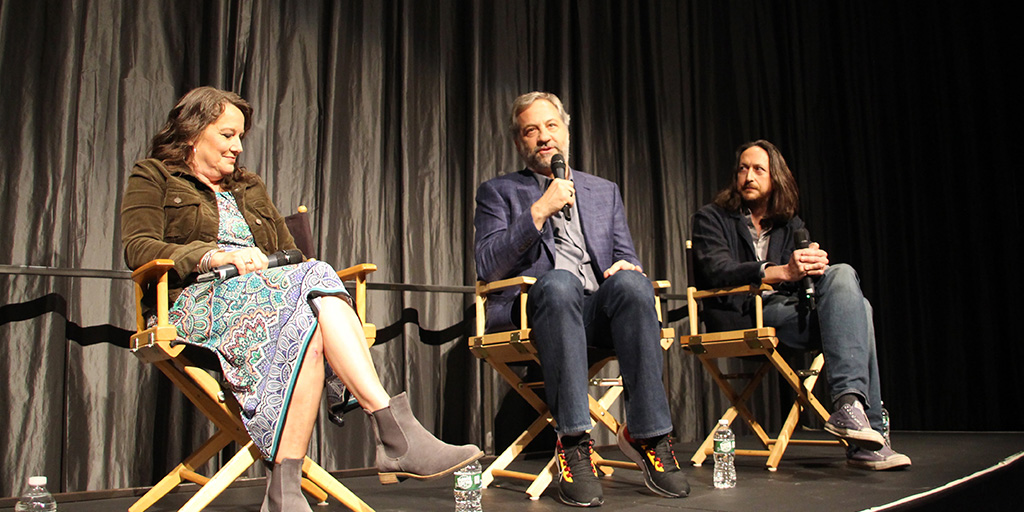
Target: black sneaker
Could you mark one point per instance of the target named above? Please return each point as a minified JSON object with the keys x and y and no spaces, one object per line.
{"x":577,"y":476}
{"x":658,"y":462}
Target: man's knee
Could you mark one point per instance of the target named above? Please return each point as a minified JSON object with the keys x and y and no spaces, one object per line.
{"x":842,"y":272}
{"x":558,"y":285}
{"x":841,"y":276}
{"x":630,"y":283}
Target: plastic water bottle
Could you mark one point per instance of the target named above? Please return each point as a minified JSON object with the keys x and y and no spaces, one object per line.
{"x":468,"y":482}
{"x":885,"y":424}
{"x":725,"y":450}
{"x":36,"y":497}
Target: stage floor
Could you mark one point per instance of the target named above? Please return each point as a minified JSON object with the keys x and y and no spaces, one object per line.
{"x":951,"y":471}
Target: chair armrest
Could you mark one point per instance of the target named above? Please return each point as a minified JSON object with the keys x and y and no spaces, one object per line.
{"x":155,"y":343}
{"x":356,"y":271}
{"x":732,"y":290}
{"x":660,"y":286}
{"x":484,"y":288}
{"x":358,"y":274}
{"x":524,"y":282}
{"x":153,"y":271}
{"x":693,"y":295}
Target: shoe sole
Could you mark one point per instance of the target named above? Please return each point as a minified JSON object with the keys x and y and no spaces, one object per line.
{"x":596,"y":502}
{"x":638,"y":459}
{"x":898,"y":462}
{"x":869,"y":440}
{"x":398,"y":476}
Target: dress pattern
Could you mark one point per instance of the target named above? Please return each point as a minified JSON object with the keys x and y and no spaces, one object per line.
{"x":259,"y":325}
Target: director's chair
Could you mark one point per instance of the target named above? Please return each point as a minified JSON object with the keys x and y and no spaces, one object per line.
{"x":502,"y":349}
{"x":299,"y":226}
{"x":758,"y":343}
{"x":158,"y":344}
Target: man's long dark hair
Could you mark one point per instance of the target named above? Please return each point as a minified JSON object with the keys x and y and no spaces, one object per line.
{"x":785,"y":197}
{"x":187,"y":120}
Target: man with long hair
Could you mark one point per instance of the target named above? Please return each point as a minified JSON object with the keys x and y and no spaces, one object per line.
{"x":748,"y":236}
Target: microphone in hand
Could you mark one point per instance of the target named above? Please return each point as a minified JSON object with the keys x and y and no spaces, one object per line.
{"x":803,"y":241}
{"x":558,"y":169}
{"x":274,"y":260}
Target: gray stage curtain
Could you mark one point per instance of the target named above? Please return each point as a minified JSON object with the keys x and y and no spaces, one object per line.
{"x":383,"y":117}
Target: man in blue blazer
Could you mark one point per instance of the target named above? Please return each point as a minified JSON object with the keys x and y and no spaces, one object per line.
{"x":571,"y":234}
{"x":748,"y":236}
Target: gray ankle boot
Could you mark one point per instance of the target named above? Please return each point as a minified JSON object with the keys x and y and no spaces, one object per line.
{"x":406,"y":450}
{"x":269,"y":466}
{"x":284,"y":488}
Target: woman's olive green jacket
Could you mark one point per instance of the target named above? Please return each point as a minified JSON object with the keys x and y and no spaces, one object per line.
{"x":168,"y":213}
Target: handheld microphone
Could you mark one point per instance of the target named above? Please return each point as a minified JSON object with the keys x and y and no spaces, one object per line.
{"x":274,"y":260}
{"x":803,"y":241}
{"x":558,"y":168}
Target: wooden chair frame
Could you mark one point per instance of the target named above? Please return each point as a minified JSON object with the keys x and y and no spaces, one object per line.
{"x":758,"y":342}
{"x":157,"y":345}
{"x":503,"y":348}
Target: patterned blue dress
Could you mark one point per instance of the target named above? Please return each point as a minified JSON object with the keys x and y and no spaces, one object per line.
{"x":259,"y":325}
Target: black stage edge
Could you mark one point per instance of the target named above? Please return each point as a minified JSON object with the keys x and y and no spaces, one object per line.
{"x":951,"y":471}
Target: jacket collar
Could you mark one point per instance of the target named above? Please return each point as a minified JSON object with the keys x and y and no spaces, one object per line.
{"x":229,"y":184}
{"x":743,"y":232}
{"x":581,"y":181}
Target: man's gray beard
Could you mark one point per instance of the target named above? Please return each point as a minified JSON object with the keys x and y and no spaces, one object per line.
{"x":533,"y":160}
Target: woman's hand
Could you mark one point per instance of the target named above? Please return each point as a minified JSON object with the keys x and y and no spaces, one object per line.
{"x":247,"y":260}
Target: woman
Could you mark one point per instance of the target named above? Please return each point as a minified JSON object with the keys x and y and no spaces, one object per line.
{"x":271,"y":329}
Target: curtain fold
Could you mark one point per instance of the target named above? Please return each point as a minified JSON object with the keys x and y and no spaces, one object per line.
{"x":384,"y":117}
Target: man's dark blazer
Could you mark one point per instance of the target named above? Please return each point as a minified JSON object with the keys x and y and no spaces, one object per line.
{"x":723,"y":253}
{"x":509,"y":245}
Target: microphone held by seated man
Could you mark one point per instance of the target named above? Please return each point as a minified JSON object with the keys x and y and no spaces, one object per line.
{"x":570,"y":233}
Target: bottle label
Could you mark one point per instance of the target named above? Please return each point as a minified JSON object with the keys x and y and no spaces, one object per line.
{"x":471,"y":482}
{"x":725,"y":446}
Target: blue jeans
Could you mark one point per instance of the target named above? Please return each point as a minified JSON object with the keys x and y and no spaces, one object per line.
{"x":620,"y":315}
{"x":847,"y":335}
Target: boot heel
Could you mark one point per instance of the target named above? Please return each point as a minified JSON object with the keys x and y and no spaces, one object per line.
{"x":387,"y":478}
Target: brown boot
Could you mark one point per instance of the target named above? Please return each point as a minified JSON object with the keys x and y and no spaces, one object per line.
{"x":284,"y":488}
{"x":406,"y":450}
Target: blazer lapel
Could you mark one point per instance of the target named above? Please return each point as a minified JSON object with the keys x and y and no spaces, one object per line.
{"x":584,"y":201}
{"x":528,"y":193}
{"x":593,"y":222}
{"x":743,"y":232}
{"x":776,"y":243}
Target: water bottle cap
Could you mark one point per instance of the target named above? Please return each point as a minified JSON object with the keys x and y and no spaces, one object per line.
{"x":37,"y":481}
{"x":724,"y":423}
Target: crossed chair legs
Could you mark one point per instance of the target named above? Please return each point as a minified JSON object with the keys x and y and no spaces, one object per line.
{"x":404,"y":450}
